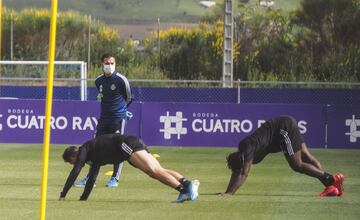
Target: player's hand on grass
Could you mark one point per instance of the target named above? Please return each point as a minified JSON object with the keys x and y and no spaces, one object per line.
{"x":61,"y":198}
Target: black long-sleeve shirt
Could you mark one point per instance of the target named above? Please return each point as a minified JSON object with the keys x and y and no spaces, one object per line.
{"x":102,"y":150}
{"x":269,"y":138}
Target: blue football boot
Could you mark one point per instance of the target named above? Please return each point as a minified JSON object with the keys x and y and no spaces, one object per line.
{"x":193,"y":189}
{"x":112,"y":183}
{"x":182,"y":197}
{"x":82,"y":182}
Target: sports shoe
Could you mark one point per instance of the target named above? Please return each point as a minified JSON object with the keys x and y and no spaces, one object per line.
{"x":113,"y":182}
{"x":338,"y":182}
{"x":182,"y":197}
{"x":82,"y":182}
{"x":193,"y":189}
{"x":330,"y":191}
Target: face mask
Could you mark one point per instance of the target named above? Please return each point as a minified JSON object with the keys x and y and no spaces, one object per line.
{"x":109,"y":69}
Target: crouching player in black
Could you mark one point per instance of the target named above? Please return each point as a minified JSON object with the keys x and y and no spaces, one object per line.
{"x":279,"y":134}
{"x":116,"y":148}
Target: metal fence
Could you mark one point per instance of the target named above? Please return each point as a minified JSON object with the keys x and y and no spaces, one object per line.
{"x":243,"y":84}
{"x":192,"y":91}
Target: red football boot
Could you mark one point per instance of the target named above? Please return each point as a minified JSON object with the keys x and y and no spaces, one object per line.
{"x":330,"y":191}
{"x":338,"y":182}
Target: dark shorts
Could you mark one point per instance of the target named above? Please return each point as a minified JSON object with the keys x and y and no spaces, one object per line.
{"x":117,"y":127}
{"x":290,"y":136}
{"x":132,"y":144}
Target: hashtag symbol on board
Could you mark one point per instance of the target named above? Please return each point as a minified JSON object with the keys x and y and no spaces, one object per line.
{"x":173,"y":125}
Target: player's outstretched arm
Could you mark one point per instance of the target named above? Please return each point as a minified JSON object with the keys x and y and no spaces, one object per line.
{"x":78,"y":160}
{"x":70,"y":180}
{"x":237,"y":179}
{"x":94,"y":171}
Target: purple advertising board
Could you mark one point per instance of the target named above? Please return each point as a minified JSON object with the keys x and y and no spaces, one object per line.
{"x":343,"y":126}
{"x":191,"y":124}
{"x":72,"y":122}
{"x":179,"y":124}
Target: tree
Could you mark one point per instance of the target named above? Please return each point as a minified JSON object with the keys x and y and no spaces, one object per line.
{"x":331,"y":37}
{"x":191,"y":53}
{"x":31,"y":33}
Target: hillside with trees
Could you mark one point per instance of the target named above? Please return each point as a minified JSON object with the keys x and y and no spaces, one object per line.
{"x":141,"y":11}
{"x":319,"y":41}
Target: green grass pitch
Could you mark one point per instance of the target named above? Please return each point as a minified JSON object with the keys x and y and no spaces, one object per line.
{"x":272,"y":190}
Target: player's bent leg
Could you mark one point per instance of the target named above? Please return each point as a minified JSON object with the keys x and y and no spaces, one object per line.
{"x":307,"y":157}
{"x":175,"y":174}
{"x":331,"y":186}
{"x":300,"y":166}
{"x":303,"y":162}
{"x":149,"y":165}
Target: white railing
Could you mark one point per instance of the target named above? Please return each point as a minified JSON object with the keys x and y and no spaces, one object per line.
{"x":83,"y":73}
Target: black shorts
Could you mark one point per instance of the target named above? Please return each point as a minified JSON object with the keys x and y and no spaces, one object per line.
{"x":116,"y":127}
{"x":132,"y":144}
{"x":290,"y":136}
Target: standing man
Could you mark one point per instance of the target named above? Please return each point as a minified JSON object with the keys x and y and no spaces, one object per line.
{"x":116,"y":148}
{"x":279,"y":134}
{"x":115,"y":98}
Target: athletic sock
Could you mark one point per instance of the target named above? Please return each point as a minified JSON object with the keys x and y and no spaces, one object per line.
{"x":327,"y":179}
{"x":184,"y":182}
{"x":181,"y":188}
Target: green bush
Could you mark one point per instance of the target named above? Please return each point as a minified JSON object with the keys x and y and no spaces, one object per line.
{"x":320,"y":41}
